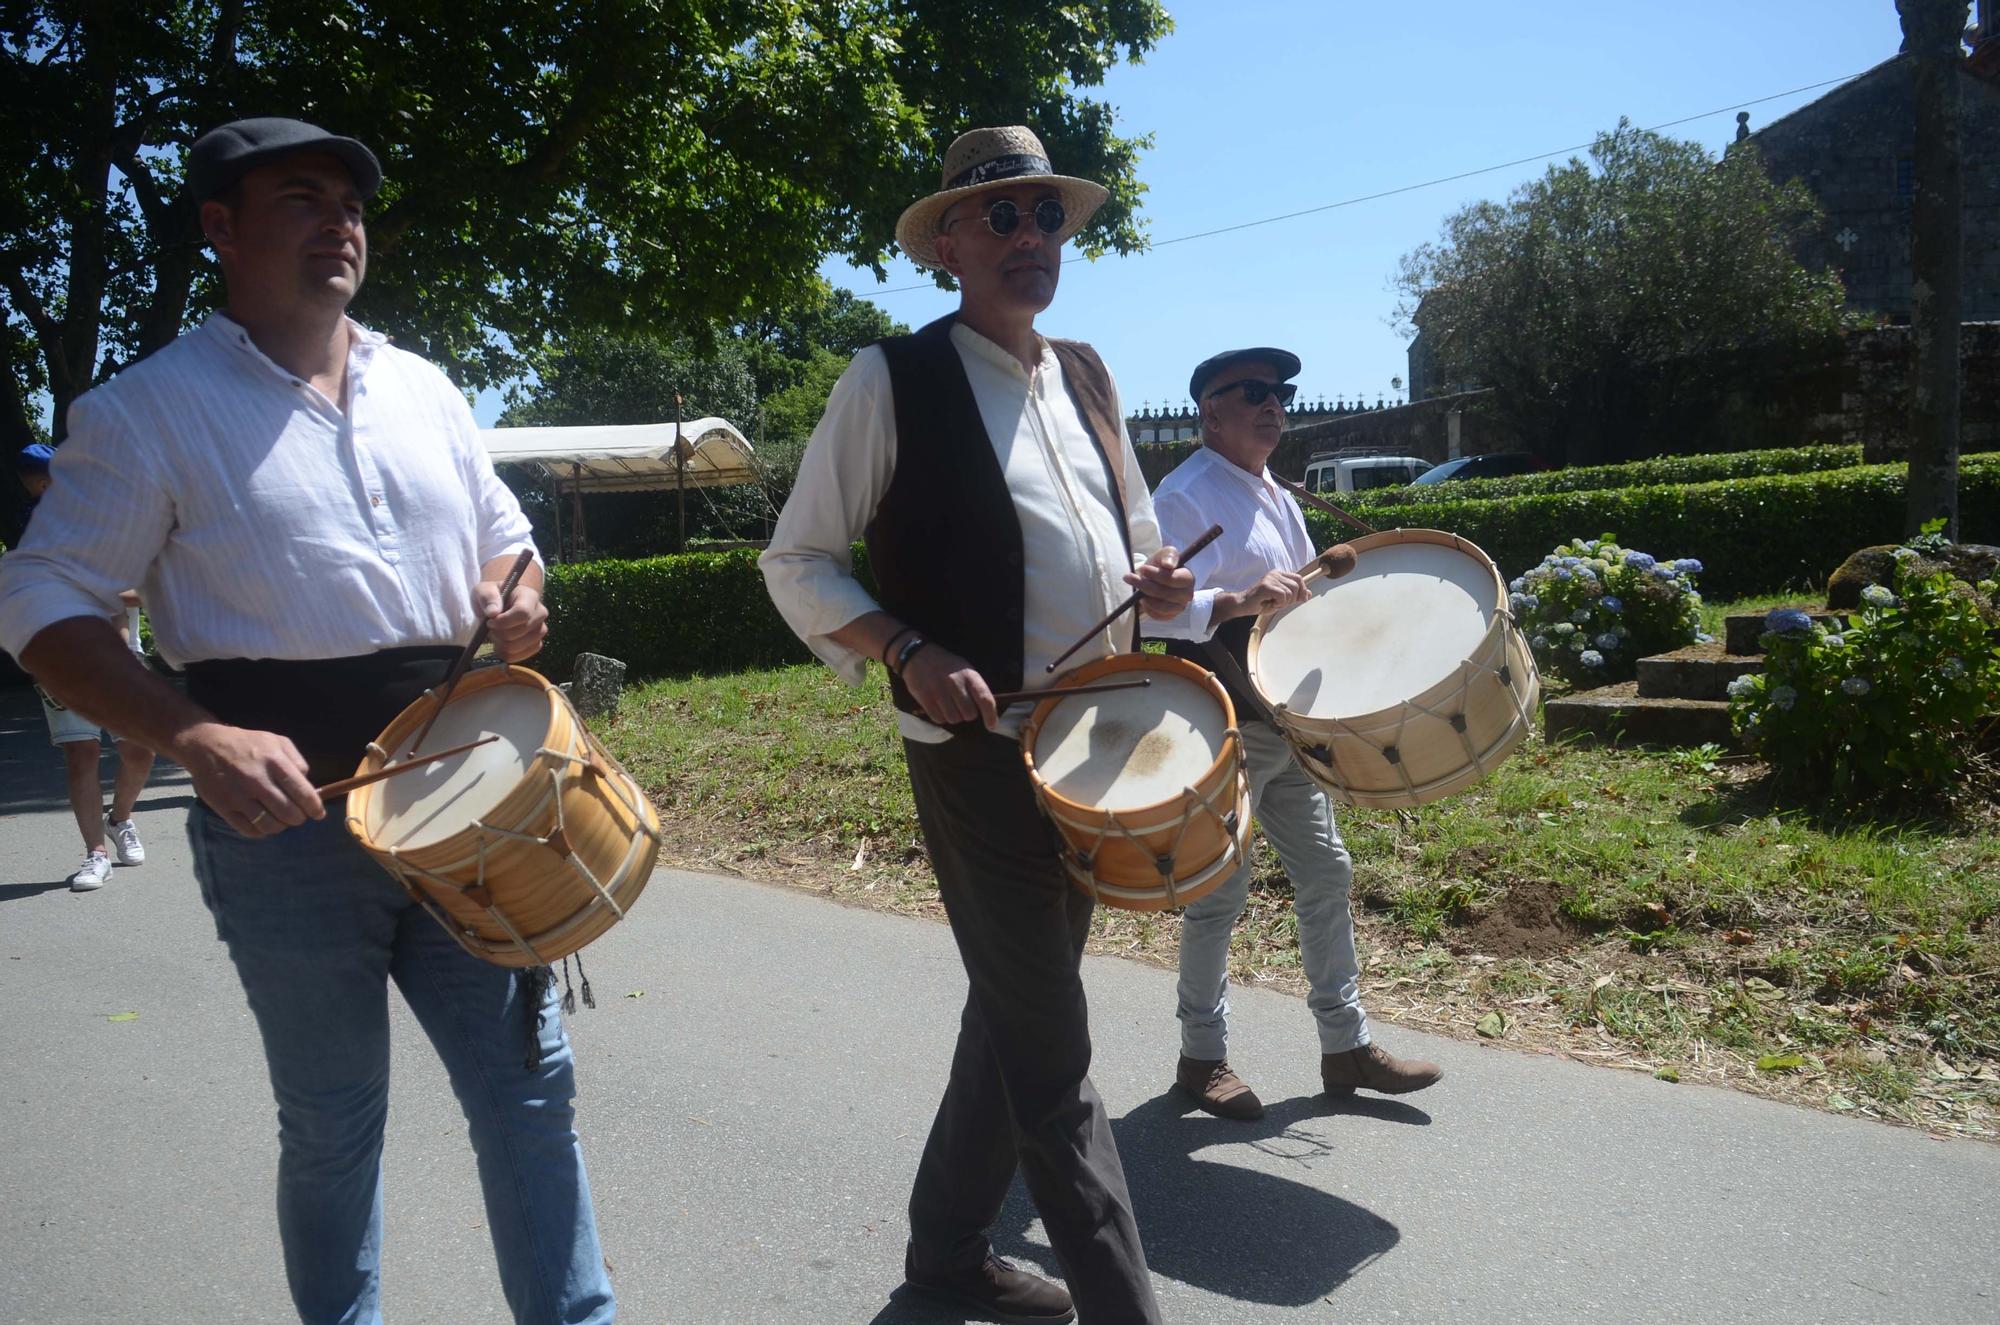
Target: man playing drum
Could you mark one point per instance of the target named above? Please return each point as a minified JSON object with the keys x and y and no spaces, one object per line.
{"x":317,"y":528}
{"x":1254,"y":568}
{"x":1005,"y":517}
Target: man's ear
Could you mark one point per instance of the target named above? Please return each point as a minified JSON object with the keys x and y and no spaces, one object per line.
{"x":218,"y":225}
{"x":946,"y":248}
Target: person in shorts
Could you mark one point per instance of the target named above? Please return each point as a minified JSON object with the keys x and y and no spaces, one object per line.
{"x":106,"y":837}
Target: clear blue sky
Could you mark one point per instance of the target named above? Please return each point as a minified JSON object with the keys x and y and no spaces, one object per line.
{"x":1261,"y":108}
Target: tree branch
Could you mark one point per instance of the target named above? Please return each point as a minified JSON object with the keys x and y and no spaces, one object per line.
{"x":14,"y":279}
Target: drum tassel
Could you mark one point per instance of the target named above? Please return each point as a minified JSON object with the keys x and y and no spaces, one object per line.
{"x":539,"y":980}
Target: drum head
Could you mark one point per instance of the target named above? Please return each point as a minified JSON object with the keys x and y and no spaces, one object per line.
{"x":1128,"y":749}
{"x":429,"y":804}
{"x":1397,"y":624}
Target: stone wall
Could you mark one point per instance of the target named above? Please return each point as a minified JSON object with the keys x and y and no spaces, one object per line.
{"x":1856,"y":392}
{"x":1854,"y":149}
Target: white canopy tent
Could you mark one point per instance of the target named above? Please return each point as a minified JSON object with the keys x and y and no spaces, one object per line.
{"x":639,"y":457}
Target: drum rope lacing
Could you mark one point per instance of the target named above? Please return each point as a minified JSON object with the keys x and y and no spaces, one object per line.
{"x":622,"y":788}
{"x":1469,"y":670}
{"x":1163,"y":861}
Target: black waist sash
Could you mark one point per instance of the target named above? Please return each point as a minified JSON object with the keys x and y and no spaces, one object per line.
{"x":1233,"y":638}
{"x":330,"y":708}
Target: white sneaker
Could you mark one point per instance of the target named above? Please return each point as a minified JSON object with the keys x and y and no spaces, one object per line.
{"x":96,"y":872}
{"x":125,"y":841}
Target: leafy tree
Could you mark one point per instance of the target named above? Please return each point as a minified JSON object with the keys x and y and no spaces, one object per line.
{"x":1607,"y":301}
{"x":554,"y":169}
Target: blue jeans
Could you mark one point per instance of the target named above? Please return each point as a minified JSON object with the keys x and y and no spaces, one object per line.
{"x":1297,"y":820}
{"x":317,"y":930}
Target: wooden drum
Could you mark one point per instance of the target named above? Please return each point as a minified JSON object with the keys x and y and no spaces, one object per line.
{"x":1146,"y":786}
{"x":1404,"y":680}
{"x":526,"y":848}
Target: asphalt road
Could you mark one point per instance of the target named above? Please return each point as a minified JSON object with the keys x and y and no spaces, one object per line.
{"x":757,"y":1081}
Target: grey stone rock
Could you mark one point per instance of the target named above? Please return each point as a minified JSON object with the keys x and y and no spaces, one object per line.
{"x":595,"y":685}
{"x":1970,"y":562}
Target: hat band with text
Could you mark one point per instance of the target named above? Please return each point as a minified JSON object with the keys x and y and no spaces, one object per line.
{"x":1001,"y":167}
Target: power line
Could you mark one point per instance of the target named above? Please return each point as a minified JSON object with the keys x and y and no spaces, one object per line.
{"x":1430,"y":183}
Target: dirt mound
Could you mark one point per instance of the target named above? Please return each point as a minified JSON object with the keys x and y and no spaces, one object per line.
{"x":1524,"y":922}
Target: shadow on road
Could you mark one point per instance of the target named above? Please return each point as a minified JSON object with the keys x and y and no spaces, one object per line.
{"x":1236,"y":1232}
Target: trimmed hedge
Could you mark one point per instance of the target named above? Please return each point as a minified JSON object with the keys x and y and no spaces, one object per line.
{"x":1752,"y":535}
{"x":666,"y":616}
{"x":707,"y":612}
{"x":1637,"y":474}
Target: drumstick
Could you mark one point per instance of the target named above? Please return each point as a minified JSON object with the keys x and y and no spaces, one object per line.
{"x":1006,"y":697}
{"x":1315,"y":499}
{"x":478,"y":638}
{"x":1187,"y":555}
{"x":345,"y":785}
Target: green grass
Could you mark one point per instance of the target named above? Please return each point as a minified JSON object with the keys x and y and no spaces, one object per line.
{"x":1659,"y":907}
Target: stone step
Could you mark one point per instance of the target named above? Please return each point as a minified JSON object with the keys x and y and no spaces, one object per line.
{"x":1620,"y":713}
{"x":1700,"y":671}
{"x":1741,"y":633}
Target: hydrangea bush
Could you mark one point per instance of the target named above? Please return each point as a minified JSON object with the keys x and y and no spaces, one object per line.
{"x":1592,"y":609}
{"x":1895,"y":701}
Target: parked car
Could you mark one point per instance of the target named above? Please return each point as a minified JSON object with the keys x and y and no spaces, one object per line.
{"x":1499,"y":464}
{"x":1358,"y":473}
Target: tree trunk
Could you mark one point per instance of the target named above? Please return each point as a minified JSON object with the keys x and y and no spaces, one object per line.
{"x":1931,"y":34}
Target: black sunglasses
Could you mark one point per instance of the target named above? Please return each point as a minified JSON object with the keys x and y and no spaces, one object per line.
{"x":1004,"y":218}
{"x":1254,"y":391}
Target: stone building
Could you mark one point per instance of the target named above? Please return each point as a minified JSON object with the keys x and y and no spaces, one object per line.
{"x":1855,"y":149}
{"x":1183,"y":422}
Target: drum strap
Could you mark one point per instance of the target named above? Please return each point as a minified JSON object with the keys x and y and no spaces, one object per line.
{"x":1224,"y":665}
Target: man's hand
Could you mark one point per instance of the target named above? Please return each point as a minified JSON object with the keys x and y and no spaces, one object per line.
{"x":255,"y":780}
{"x":518,"y":631}
{"x":1165,"y":586}
{"x":1278,"y":588}
{"x":948,"y":689}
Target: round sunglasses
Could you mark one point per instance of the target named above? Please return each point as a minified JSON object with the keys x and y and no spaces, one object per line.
{"x":1003,"y":218}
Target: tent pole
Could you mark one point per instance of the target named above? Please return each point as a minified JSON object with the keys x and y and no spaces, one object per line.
{"x":680,"y":477}
{"x":576,"y":508}
{"x":553,"y":487}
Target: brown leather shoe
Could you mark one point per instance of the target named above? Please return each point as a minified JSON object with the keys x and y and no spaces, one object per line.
{"x":997,"y":1290}
{"x":1218,"y":1090}
{"x":1370,"y":1067}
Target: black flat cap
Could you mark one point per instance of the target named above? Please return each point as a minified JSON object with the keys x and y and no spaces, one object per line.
{"x":1284,"y":361}
{"x":227,"y":152}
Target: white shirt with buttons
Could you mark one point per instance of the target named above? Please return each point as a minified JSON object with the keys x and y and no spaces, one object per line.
{"x":258,"y":518}
{"x":1262,"y":530}
{"x":1074,"y":557}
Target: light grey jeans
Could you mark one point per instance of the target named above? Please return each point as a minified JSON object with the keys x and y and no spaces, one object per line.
{"x":1298,"y":822}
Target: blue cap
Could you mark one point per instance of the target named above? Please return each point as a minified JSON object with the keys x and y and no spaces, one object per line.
{"x":34,"y":459}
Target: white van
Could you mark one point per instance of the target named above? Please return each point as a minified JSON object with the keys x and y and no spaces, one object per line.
{"x":1359,"y":473}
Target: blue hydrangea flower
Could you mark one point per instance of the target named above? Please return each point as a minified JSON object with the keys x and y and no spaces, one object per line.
{"x":1703,"y":637}
{"x":1639,"y":561}
{"x":1540,"y":642}
{"x":1835,"y":640}
{"x":1517,"y":603}
{"x":1585,"y":572}
{"x":1564,"y":629}
{"x":1783,"y":697}
{"x":1581,"y":616}
{"x":1856,"y":685}
{"x":1611,"y":602}
{"x":1688,"y":566}
{"x":1572,"y":561}
{"x":1952,"y":668}
{"x":1784,"y":620}
{"x":1562,"y":573}
{"x":1589,"y":545}
{"x":1742,"y":686}
{"x":1663,"y":573}
{"x":1590,"y":658}
{"x":1534,"y":601}
{"x":1518,"y":584}
{"x":1607,"y":641}
{"x":1876,"y":595}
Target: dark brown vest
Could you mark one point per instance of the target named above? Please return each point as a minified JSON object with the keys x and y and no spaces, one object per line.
{"x":944,"y":544}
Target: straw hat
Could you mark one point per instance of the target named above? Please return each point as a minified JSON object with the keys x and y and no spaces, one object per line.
{"x":981,"y":159}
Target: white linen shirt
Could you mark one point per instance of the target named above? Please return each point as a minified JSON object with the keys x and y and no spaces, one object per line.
{"x":258,"y":519}
{"x":1074,"y":560}
{"x":1262,"y":530}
